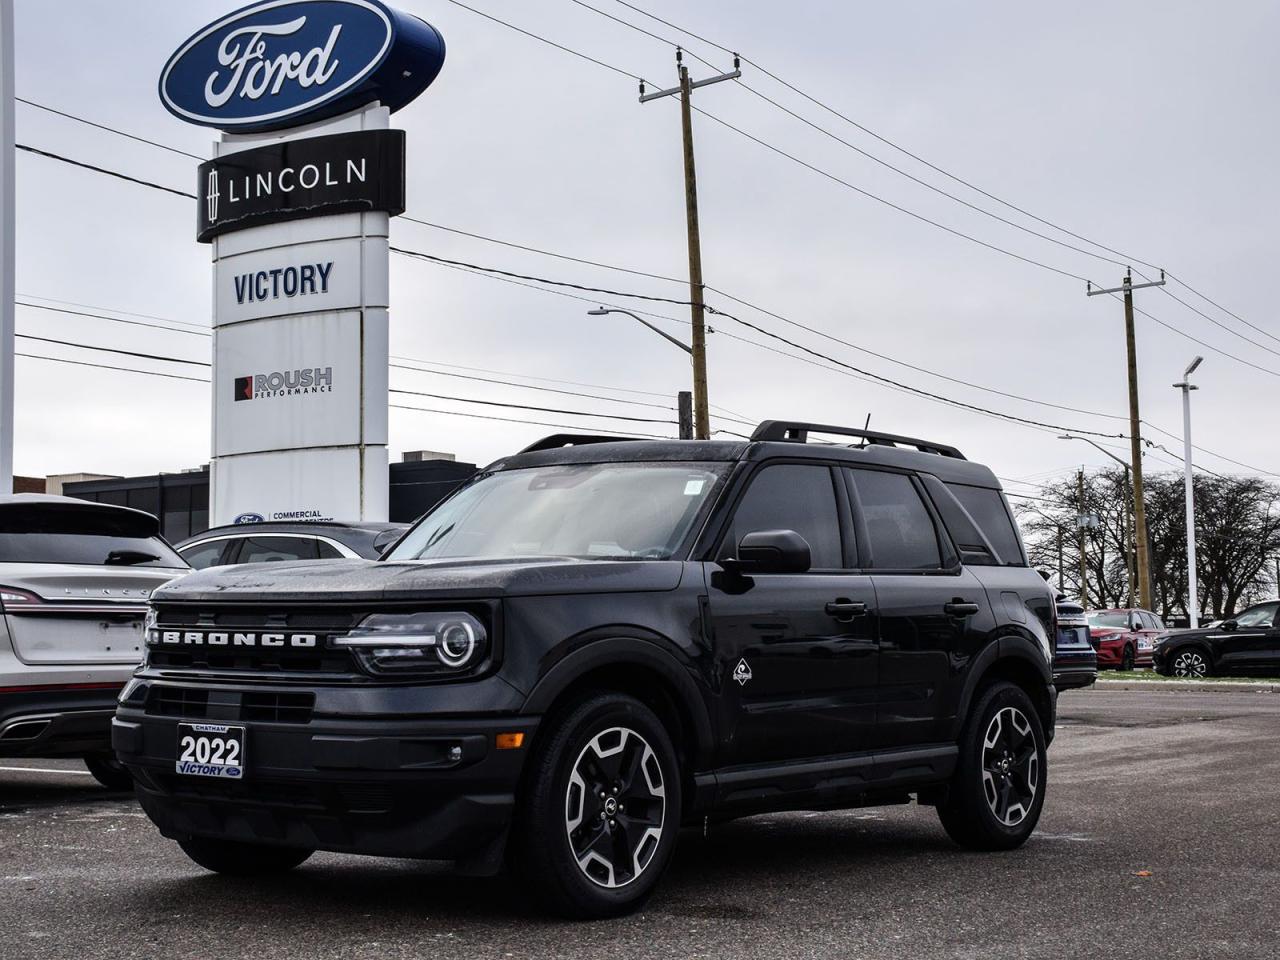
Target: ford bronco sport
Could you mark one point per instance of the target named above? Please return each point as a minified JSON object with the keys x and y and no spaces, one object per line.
{"x":598,"y":641}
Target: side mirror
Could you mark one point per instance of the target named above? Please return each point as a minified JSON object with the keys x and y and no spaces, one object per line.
{"x":1135,"y":624}
{"x":1228,"y":625}
{"x":770,"y":551}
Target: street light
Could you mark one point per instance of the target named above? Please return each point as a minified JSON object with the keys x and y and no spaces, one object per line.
{"x":1128,"y":544}
{"x":1186,"y":386}
{"x":604,"y":311}
{"x":687,"y":418}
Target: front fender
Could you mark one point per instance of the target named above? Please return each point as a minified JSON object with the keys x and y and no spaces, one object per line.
{"x":646,"y":654}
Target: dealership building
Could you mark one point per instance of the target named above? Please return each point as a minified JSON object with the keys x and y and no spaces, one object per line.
{"x":181,"y":500}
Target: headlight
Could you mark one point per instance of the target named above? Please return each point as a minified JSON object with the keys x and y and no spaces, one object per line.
{"x":149,"y":621}
{"x":396,"y":643}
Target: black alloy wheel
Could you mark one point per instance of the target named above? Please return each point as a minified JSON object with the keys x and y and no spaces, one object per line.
{"x":998,"y":789}
{"x":1190,"y":663}
{"x":599,"y":811}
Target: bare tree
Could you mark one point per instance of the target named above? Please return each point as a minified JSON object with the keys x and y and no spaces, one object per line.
{"x":1238,"y":539}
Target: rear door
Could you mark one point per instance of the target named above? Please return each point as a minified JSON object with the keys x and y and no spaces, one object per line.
{"x":797,"y":651}
{"x":934,"y":612}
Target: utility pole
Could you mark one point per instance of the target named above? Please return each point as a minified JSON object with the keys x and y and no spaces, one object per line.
{"x":1135,"y":431}
{"x":697,"y":309}
{"x":1080,"y":536}
{"x":684,"y":401}
{"x":7,"y":239}
{"x":1193,"y":599}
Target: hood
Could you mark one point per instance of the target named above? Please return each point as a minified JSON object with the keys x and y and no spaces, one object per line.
{"x":1104,"y":633}
{"x":337,"y":581}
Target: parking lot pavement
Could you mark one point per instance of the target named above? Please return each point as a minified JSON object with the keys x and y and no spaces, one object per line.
{"x":1160,"y":838}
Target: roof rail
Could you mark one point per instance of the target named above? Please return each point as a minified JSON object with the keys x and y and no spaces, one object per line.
{"x":558,"y":440}
{"x":798,"y":432}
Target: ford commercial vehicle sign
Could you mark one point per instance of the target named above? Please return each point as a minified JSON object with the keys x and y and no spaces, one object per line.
{"x":281,"y":63}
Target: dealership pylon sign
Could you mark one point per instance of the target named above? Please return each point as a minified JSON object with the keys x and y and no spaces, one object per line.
{"x":296,"y":205}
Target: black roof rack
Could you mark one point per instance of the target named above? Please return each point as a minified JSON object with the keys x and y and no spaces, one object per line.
{"x":797,"y":432}
{"x":558,"y":440}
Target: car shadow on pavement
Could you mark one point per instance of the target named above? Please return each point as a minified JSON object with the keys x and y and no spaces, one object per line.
{"x":390,"y":892}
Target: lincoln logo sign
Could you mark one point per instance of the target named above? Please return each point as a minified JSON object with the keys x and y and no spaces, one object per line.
{"x":360,"y":171}
{"x":277,"y":64}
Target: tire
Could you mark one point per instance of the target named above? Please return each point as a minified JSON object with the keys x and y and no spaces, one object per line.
{"x":235,"y":858}
{"x":577,"y":847}
{"x":1126,"y":661}
{"x":109,"y":771}
{"x":998,"y":789}
{"x":1190,"y":662}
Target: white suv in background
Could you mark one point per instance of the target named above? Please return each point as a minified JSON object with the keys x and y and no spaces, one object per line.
{"x":75,"y":578}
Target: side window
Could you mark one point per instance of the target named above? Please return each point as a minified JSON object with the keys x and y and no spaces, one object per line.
{"x":1149,"y":622}
{"x":328,"y":551}
{"x":1157,"y":623}
{"x":988,"y":509}
{"x":201,"y":555}
{"x":267,"y":549}
{"x":791,"y":496}
{"x":899,"y":525}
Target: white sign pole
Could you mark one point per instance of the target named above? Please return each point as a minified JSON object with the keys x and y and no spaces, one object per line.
{"x":300,"y":345}
{"x":7,"y":238}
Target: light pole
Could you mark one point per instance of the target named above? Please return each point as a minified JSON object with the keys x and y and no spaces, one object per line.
{"x":1193,"y":600}
{"x":684,"y":427}
{"x":6,"y":246}
{"x":1128,"y":531}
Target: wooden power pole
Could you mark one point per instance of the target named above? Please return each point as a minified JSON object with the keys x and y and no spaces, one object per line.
{"x":1135,"y":433}
{"x":697,"y":309}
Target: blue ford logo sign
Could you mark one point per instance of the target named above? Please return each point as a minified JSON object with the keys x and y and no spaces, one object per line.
{"x":281,"y":63}
{"x":249,"y":518}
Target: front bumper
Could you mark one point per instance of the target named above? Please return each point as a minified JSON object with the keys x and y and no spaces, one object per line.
{"x":384,"y":784}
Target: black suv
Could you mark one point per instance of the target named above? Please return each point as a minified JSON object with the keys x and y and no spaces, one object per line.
{"x":593,"y":643}
{"x":1245,"y":645}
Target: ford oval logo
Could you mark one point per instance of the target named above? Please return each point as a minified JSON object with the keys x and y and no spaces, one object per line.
{"x":280,"y":63}
{"x":249,"y":518}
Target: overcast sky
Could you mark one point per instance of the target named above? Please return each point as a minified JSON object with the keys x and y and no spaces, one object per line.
{"x":1148,"y":127}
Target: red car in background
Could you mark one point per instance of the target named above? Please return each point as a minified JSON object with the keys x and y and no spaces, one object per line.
{"x":1124,"y":638}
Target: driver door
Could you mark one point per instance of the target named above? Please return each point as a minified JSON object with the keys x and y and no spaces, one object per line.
{"x":798,"y":672}
{"x":1252,"y":645}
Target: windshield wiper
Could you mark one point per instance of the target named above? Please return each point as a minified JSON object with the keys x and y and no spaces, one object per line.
{"x":127,"y":558}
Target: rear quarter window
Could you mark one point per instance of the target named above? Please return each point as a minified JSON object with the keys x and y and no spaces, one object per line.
{"x":991,"y":513}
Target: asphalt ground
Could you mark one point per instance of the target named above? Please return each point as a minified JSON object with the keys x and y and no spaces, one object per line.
{"x":1160,"y":838}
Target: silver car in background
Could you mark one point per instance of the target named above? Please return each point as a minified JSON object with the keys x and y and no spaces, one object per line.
{"x":75,"y":578}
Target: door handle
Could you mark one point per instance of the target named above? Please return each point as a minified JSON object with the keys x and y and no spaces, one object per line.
{"x":845,"y":610}
{"x":959,"y":608}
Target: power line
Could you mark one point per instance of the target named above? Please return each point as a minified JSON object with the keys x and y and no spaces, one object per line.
{"x":107,"y":366}
{"x":100,"y":126}
{"x":522,"y":406}
{"x":100,"y":316}
{"x":541,"y":423}
{"x":104,"y":170}
{"x":125,"y":353}
{"x":545,"y":253}
{"x":520,"y":276}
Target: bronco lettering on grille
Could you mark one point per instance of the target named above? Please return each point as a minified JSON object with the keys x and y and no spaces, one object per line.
{"x":214,"y":638}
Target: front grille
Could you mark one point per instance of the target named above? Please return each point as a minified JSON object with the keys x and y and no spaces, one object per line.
{"x":256,"y":661}
{"x":178,"y":702}
{"x":280,"y":661}
{"x":193,"y":703}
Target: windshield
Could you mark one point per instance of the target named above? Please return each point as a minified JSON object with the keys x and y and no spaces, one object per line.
{"x":1110,"y":618}
{"x":54,"y":533}
{"x":599,"y":511}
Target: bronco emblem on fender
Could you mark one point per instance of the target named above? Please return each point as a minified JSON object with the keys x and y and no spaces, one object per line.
{"x":742,"y":673}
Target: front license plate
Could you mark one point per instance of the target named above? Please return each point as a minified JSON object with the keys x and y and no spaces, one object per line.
{"x":210,"y":750}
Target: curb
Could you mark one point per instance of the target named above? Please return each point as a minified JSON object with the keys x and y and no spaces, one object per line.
{"x":1191,"y":686}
